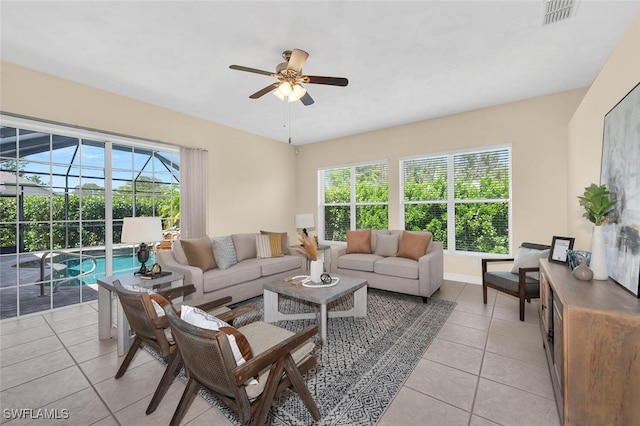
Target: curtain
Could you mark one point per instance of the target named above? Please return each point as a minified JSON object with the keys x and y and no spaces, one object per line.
{"x":193,"y":193}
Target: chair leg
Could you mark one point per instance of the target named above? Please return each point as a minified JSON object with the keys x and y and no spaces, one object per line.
{"x":484,"y":293}
{"x":175,"y":362}
{"x":425,"y":299}
{"x":129,"y":357}
{"x":298,"y":384}
{"x":521,"y":309}
{"x":275,"y":376}
{"x":188,"y":396}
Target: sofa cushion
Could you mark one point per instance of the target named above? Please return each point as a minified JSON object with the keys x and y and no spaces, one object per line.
{"x":199,"y":253}
{"x":215,"y":279}
{"x":276,"y":265}
{"x":397,"y":267}
{"x":413,"y":245}
{"x":245,"y":245}
{"x":359,"y":241}
{"x":224,"y":252}
{"x":358,"y":261}
{"x":268,"y":245}
{"x":238,"y":342}
{"x":284,"y":240}
{"x":386,"y":244}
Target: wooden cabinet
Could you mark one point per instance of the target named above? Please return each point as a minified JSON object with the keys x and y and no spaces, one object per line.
{"x":591,"y":334}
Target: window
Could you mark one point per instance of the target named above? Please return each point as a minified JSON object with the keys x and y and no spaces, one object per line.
{"x":463,"y":198}
{"x":63,"y":195}
{"x":353,"y":197}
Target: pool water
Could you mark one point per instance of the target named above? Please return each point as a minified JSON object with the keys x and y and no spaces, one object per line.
{"x":121,"y":265}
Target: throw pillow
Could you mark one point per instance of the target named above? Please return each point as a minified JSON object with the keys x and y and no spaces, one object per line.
{"x":387,"y":245}
{"x":178,"y":253}
{"x":284,"y":240}
{"x":359,"y":241}
{"x":245,"y":245}
{"x":238,"y":342}
{"x":198,"y":253}
{"x":224,"y":252}
{"x":268,"y":245}
{"x":528,"y":258}
{"x":413,"y":246}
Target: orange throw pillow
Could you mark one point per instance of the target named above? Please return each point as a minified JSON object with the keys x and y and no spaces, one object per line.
{"x":359,"y":241}
{"x":413,"y":246}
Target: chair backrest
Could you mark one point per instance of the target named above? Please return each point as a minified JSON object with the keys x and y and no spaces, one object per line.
{"x":207,"y":357}
{"x":140,"y":313}
{"x":535,"y":246}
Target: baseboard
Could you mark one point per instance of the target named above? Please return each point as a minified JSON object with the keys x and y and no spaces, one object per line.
{"x":471,"y":279}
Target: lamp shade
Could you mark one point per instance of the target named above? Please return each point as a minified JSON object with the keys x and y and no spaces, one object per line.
{"x":141,"y":230}
{"x":304,"y":220}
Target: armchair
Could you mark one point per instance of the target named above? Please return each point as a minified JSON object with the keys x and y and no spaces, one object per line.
{"x":523,"y":281}
{"x":280,"y":357}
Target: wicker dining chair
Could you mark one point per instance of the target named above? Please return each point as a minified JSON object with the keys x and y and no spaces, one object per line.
{"x":152,"y":329}
{"x":280,"y":358}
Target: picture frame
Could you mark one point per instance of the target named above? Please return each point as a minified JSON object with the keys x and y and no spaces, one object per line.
{"x":559,"y":248}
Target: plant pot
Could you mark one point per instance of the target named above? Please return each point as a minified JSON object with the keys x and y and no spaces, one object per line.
{"x":598,"y":255}
{"x":316,"y":268}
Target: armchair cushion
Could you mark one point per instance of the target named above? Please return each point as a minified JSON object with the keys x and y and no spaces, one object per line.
{"x":509,"y":281}
{"x":413,"y":245}
{"x":238,"y":342}
{"x":224,"y":252}
{"x":359,"y":241}
{"x":198,"y":253}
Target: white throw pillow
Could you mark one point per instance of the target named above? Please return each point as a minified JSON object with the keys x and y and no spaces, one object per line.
{"x":528,"y":258}
{"x":156,"y":305}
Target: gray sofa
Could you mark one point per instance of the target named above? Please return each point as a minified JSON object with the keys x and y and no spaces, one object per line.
{"x":242,"y":280}
{"x":383,"y":269}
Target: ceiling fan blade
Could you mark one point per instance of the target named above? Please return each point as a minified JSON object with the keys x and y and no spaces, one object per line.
{"x":264,"y":91}
{"x":253,"y":70}
{"x":297,"y":60}
{"x":332,"y":81}
{"x":306,"y":99}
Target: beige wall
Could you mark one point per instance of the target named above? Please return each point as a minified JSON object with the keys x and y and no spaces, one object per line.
{"x":536,"y":128}
{"x":250,"y":179}
{"x":619,"y":75}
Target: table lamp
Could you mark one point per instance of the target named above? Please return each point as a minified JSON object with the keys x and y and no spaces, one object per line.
{"x":304,"y":221}
{"x":141,"y":230}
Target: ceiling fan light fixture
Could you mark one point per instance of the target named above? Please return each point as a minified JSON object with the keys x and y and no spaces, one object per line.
{"x":285,"y":88}
{"x":297,"y":93}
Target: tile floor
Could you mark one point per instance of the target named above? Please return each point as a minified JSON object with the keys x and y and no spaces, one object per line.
{"x":485,"y":367}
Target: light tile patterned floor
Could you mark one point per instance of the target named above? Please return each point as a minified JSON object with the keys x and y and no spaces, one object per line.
{"x":483,"y":364}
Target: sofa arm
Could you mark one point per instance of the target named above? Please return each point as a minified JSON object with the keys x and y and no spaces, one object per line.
{"x":336,"y":252}
{"x":431,"y":270}
{"x":192,"y":274}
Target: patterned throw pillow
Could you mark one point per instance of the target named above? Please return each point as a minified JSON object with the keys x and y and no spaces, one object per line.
{"x":238,"y":342}
{"x":284,"y":240}
{"x":359,"y":241}
{"x":413,"y":246}
{"x":224,"y":252}
{"x":268,"y":245}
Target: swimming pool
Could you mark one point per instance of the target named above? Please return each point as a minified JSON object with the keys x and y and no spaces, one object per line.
{"x":122,"y":264}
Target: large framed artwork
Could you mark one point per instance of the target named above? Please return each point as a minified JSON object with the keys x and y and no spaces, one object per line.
{"x":621,"y":173}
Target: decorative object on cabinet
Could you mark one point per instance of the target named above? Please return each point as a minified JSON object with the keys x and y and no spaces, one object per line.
{"x":620,"y":155}
{"x":575,"y":255}
{"x":582,"y":272}
{"x":560,"y":247}
{"x":597,"y":203}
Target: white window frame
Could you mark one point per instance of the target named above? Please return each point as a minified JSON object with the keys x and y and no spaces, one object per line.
{"x":451,"y":201}
{"x":352,"y":203}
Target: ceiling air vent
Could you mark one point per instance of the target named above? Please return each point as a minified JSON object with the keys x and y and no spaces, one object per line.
{"x":558,"y":10}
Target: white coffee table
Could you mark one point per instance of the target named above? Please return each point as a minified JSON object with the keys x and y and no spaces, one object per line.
{"x":317,"y":296}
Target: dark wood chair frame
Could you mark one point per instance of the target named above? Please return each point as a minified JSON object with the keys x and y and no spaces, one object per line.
{"x":521,"y":294}
{"x":149,"y":328}
{"x":207,"y":353}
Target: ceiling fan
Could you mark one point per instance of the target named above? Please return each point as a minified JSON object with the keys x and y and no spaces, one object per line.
{"x":290,"y":77}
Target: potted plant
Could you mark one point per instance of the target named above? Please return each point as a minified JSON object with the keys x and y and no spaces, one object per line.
{"x":598,"y":203}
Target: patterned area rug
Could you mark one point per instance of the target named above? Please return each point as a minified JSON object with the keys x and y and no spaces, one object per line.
{"x":366,"y":360}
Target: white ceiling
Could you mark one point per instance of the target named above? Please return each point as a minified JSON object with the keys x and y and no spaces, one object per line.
{"x":405,"y":61}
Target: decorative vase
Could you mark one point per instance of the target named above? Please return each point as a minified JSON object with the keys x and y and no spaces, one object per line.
{"x":598,"y":255}
{"x":583,"y":273}
{"x":316,"y":268}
